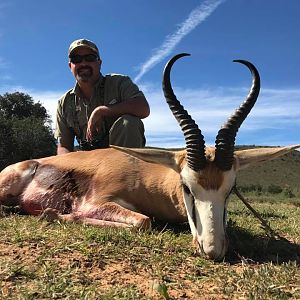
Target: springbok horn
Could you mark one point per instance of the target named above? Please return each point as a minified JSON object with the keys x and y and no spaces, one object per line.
{"x":225,"y":139}
{"x":195,"y":144}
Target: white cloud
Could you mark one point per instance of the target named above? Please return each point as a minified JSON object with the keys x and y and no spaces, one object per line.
{"x":47,"y":98}
{"x":276,"y":110}
{"x":196,"y":17}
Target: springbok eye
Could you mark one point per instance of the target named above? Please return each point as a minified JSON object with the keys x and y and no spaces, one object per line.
{"x":186,"y":189}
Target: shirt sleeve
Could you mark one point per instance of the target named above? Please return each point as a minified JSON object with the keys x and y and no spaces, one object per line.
{"x":63,"y":133}
{"x":128,"y":89}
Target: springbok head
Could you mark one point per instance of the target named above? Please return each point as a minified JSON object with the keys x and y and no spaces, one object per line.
{"x":208,"y":174}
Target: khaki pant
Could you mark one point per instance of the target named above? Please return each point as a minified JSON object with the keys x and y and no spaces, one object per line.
{"x":127,"y":131}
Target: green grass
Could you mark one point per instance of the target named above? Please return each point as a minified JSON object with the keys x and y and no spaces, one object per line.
{"x":69,"y":261}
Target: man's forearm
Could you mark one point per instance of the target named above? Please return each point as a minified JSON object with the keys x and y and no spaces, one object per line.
{"x":138,"y":107}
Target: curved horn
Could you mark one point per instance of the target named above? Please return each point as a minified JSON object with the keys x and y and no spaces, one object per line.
{"x":195,"y":145}
{"x":225,"y":139}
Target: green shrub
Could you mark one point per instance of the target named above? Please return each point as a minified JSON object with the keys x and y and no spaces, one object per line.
{"x":288,"y":192}
{"x":274,"y":189}
{"x":250,"y":188}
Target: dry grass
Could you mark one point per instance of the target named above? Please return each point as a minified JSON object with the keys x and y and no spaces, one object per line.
{"x":58,"y":261}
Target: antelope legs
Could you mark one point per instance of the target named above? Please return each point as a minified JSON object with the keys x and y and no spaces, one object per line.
{"x":108,"y":214}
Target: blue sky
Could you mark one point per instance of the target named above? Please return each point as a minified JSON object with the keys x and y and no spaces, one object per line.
{"x":138,"y":37}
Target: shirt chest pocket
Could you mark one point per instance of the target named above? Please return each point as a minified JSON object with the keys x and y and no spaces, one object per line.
{"x":77,"y":120}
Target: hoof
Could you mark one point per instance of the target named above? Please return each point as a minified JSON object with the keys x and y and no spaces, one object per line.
{"x":145,"y":224}
{"x":50,"y":215}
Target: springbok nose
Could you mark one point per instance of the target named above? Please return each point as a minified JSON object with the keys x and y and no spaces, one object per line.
{"x":214,"y":251}
{"x":210,"y":252}
{"x":213,"y":254}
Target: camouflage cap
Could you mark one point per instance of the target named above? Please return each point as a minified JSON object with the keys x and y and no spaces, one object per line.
{"x":83,"y":43}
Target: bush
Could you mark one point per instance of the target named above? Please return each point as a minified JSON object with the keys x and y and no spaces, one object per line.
{"x":288,"y":192}
{"x":251,"y":188}
{"x":274,"y":189}
{"x":25,"y":129}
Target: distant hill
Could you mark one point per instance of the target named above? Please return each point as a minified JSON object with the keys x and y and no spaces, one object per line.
{"x":283,"y":171}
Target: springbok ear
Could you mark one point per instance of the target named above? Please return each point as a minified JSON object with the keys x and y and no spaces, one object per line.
{"x":251,"y":156}
{"x":152,"y":155}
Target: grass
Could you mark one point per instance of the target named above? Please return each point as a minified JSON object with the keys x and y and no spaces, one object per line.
{"x":68,"y":261}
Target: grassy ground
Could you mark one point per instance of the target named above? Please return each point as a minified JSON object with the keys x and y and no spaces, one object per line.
{"x":68,"y":261}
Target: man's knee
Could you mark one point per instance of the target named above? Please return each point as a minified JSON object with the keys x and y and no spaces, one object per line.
{"x":129,"y":121}
{"x":128,"y":131}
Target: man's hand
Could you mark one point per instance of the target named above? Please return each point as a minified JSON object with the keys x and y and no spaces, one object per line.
{"x":137,"y":106}
{"x":95,"y":121}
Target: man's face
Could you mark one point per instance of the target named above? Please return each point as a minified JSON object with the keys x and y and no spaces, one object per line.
{"x":85,"y":70}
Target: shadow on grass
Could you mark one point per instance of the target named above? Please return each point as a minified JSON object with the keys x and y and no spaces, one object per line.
{"x":261,"y":249}
{"x":247,"y":247}
{"x":243,"y":245}
{"x":182,"y":228}
{"x":262,"y":214}
{"x":10,"y":210}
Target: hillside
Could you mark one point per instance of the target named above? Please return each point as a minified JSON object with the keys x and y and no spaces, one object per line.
{"x":283,"y":171}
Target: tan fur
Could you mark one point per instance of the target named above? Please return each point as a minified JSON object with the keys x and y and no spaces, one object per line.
{"x":211,"y":178}
{"x":98,"y":177}
{"x":99,"y":186}
{"x":104,"y":175}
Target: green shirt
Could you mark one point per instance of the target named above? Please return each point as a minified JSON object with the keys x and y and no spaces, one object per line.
{"x":73,"y":111}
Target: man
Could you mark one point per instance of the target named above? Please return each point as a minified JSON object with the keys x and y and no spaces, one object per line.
{"x":99,"y":110}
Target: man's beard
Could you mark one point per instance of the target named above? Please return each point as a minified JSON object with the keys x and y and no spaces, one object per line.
{"x":84,"y":74}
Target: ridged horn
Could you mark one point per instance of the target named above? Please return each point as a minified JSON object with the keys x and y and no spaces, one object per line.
{"x":195,"y":144}
{"x":225,"y":139}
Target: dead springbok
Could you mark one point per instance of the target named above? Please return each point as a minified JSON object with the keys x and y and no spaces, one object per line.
{"x":108,"y":187}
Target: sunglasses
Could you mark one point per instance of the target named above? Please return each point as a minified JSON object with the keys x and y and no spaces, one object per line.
{"x":76,"y":59}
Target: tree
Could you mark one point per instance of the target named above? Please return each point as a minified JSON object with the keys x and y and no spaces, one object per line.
{"x":6,"y":142}
{"x":25,"y":129}
{"x":20,"y":106}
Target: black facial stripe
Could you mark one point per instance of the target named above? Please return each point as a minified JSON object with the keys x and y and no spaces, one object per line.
{"x":186,"y":189}
{"x":194,"y":217}
{"x":188,"y":192}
